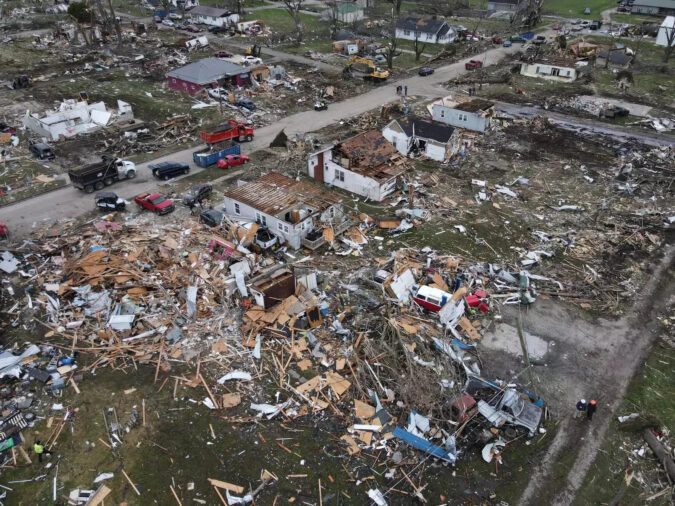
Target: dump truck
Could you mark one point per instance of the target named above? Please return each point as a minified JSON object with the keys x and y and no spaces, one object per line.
{"x":232,"y":130}
{"x":104,"y":173}
{"x":210,"y":156}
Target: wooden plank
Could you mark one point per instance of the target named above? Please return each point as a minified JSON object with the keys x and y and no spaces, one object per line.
{"x":130,"y":482}
{"x":98,"y":497}
{"x":175,"y":495}
{"x":235,"y":489}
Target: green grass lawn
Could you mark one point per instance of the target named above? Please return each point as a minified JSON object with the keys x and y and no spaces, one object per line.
{"x":575,"y":8}
{"x":620,"y":17}
{"x":646,"y":50}
{"x":321,"y":45}
{"x":281,"y":21}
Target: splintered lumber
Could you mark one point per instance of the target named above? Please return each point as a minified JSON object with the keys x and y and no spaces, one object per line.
{"x":175,"y":495}
{"x":130,"y":482}
{"x":660,"y":452}
{"x":98,"y":497}
{"x":235,"y":489}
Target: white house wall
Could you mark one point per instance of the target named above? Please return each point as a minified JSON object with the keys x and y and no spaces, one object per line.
{"x":435,"y":151}
{"x":353,"y":182}
{"x":455,"y":118}
{"x":425,"y":37}
{"x":397,"y":138}
{"x":246,"y":212}
{"x":543,"y":71}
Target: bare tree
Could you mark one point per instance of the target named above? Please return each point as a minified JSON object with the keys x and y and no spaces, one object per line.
{"x":293,"y":7}
{"x":115,"y":22}
{"x":333,"y":17}
{"x":670,"y":42}
{"x":419,"y":47}
{"x":396,"y":9}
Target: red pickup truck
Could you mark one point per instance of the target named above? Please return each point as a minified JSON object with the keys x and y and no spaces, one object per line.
{"x":154,"y":202}
{"x":473,"y":64}
{"x":230,"y":130}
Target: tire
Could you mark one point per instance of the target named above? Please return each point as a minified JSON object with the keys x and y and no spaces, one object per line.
{"x":249,"y":138}
{"x":131,"y":174}
{"x":89,"y":188}
{"x":108,"y":181}
{"x":186,"y":171}
{"x":166,"y":178}
{"x":99,"y":185}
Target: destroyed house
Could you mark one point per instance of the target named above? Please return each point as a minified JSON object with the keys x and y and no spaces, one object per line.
{"x":473,"y":114}
{"x":366,"y":165}
{"x":506,"y":5}
{"x":213,"y":16}
{"x":432,"y":139}
{"x":425,"y":30}
{"x":207,"y":73}
{"x":555,"y":69}
{"x":294,"y":211}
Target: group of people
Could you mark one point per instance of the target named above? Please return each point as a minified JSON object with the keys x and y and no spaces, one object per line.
{"x":402,"y":90}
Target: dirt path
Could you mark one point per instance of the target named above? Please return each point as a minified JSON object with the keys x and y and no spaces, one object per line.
{"x":630,"y":348}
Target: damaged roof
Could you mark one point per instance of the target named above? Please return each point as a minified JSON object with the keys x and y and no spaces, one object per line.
{"x":368,"y":149}
{"x":425,"y":129}
{"x":475,"y":105}
{"x":616,"y":57}
{"x":207,"y":71}
{"x":431,"y":26}
{"x":275,"y":193}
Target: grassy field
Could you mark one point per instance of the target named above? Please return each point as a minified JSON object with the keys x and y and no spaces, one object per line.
{"x":620,"y":17}
{"x":575,"y":8}
{"x":647,"y":395}
{"x":646,"y":50}
{"x":281,"y":21}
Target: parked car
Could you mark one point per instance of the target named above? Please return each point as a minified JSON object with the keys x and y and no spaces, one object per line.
{"x":109,"y":201}
{"x":218,"y":93}
{"x":192,"y":28}
{"x":473,"y":64}
{"x":4,"y":230}
{"x":507,"y":43}
{"x":246,"y":103}
{"x":222,"y":54}
{"x":232,"y":160}
{"x":320,"y":105}
{"x":252,"y":60}
{"x":6,"y":129}
{"x":211,"y":217}
{"x":180,"y":26}
{"x":380,"y":58}
{"x":42,"y":150}
{"x":197,"y":194}
{"x":154,"y":202}
{"x":167,"y":170}
{"x":587,"y":10}
{"x":539,"y":40}
{"x":168,"y":22}
{"x":497,"y":40}
{"x":426,"y":71}
{"x":265,"y":239}
{"x":175,"y":15}
{"x":576,"y":21}
{"x":218,"y":29}
{"x":622,"y":9}
{"x":557,"y":27}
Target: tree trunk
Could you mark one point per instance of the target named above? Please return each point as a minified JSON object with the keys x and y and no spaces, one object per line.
{"x":660,"y":453}
{"x":116,"y":23}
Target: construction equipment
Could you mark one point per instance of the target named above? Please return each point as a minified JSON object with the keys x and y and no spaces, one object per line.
{"x":372,"y":72}
{"x":254,"y":50}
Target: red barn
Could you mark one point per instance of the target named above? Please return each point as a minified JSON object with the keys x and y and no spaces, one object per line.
{"x":207,"y":73}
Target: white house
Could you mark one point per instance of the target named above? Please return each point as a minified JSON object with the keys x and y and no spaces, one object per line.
{"x":653,"y":7}
{"x":666,"y":32}
{"x":366,"y":165}
{"x":472,"y":114}
{"x":74,"y":118}
{"x":213,"y":16}
{"x":414,"y":135}
{"x":290,"y":209}
{"x":425,"y":30}
{"x":560,"y":69}
{"x":506,"y":5}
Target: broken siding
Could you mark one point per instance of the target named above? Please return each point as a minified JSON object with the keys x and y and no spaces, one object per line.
{"x":548,"y":71}
{"x":287,"y":232}
{"x":345,"y":179}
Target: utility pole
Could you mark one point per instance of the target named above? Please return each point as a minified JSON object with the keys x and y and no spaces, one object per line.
{"x":526,"y":355}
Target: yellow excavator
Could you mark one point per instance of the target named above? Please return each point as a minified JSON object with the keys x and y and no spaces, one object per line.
{"x":373,"y":73}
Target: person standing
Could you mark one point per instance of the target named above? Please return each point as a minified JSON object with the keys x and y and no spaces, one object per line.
{"x":581,"y":407}
{"x":39,"y":449}
{"x":592,"y":406}
{"x":406,"y":90}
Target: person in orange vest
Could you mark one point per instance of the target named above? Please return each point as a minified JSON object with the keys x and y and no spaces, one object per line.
{"x":592,"y":406}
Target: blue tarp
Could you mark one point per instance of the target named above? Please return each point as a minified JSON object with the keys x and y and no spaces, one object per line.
{"x":424,"y":445}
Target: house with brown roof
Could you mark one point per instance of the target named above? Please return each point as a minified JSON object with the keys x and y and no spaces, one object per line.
{"x":367,"y":165}
{"x":295,"y":211}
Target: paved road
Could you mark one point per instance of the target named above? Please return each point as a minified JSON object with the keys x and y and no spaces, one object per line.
{"x":69,"y":202}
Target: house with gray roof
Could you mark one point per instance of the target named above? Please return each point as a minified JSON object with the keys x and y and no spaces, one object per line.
{"x":653,"y":7}
{"x":208,"y":73}
{"x":433,"y":31}
{"x":213,"y":16}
